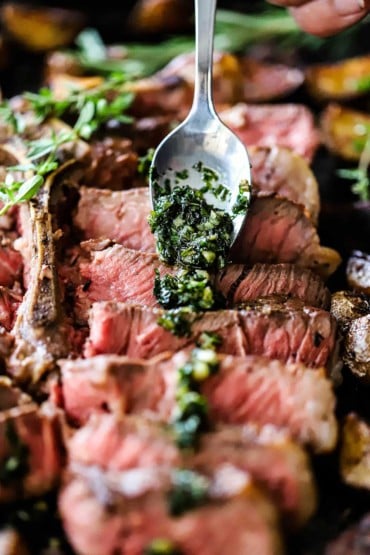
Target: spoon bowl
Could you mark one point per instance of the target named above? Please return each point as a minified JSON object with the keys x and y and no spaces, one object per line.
{"x":202,"y":150}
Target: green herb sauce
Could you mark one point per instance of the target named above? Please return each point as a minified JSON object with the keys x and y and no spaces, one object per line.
{"x":191,"y":414}
{"x":15,"y":466}
{"x":190,"y":232}
{"x":161,"y":546}
{"x":189,"y":491}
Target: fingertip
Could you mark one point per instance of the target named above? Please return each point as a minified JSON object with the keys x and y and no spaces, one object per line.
{"x":322,"y":22}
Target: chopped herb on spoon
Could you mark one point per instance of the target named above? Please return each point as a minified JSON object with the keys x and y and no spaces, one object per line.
{"x":189,"y":231}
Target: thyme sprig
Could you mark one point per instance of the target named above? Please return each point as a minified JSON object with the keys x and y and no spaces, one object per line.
{"x":360,"y":175}
{"x":42,"y":160}
{"x":93,"y":107}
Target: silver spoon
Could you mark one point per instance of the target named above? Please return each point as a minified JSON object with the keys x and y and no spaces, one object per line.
{"x":202,"y":140}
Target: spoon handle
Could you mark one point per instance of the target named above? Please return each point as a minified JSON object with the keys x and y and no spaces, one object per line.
{"x":205,"y":11}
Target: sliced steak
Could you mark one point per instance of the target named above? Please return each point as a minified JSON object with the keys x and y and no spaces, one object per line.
{"x":279,"y":328}
{"x":276,"y":230}
{"x":111,"y":272}
{"x":239,"y":283}
{"x":288,"y":125}
{"x":227,"y":76}
{"x":274,"y":462}
{"x":11,"y":263}
{"x":111,"y":163}
{"x":249,"y":389}
{"x":31,"y":453}
{"x":280,"y":171}
{"x":100,"y":514}
{"x":117,"y":215}
{"x":264,"y":81}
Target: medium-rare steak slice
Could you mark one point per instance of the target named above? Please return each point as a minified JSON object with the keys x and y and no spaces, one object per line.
{"x":108,"y":513}
{"x":31,"y":453}
{"x":287,"y":125}
{"x":250,"y":389}
{"x":11,"y":262}
{"x":111,"y":163}
{"x":279,"y":328}
{"x":280,"y":171}
{"x":111,"y":272}
{"x":240,"y":282}
{"x":272,"y":460}
{"x":116,"y":215}
{"x":266,"y":81}
{"x":276,"y":230}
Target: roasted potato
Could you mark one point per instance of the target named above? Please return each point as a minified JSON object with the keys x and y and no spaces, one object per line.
{"x":355,"y":452}
{"x":341,"y":80}
{"x":269,"y":81}
{"x":344,"y":130}
{"x":40,"y":29}
{"x":160,"y":16}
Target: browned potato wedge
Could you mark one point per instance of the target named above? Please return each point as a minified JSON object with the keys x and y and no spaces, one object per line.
{"x":39,"y":28}
{"x":339,"y":81}
{"x":269,"y":81}
{"x":355,"y":452}
{"x":344,"y":130}
{"x":160,"y":16}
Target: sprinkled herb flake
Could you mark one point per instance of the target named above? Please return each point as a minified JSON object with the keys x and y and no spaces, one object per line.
{"x":243,"y":199}
{"x":189,"y":491}
{"x":15,"y":466}
{"x":161,"y":546}
{"x":190,"y":417}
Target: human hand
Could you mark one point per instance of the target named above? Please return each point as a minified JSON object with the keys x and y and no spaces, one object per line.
{"x":325,"y":17}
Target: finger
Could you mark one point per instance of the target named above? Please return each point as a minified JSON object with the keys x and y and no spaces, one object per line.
{"x":327,"y":17}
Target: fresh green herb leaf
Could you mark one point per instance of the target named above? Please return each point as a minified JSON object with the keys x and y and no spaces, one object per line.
{"x":360,"y":175}
{"x":10,"y":117}
{"x":190,"y":418}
